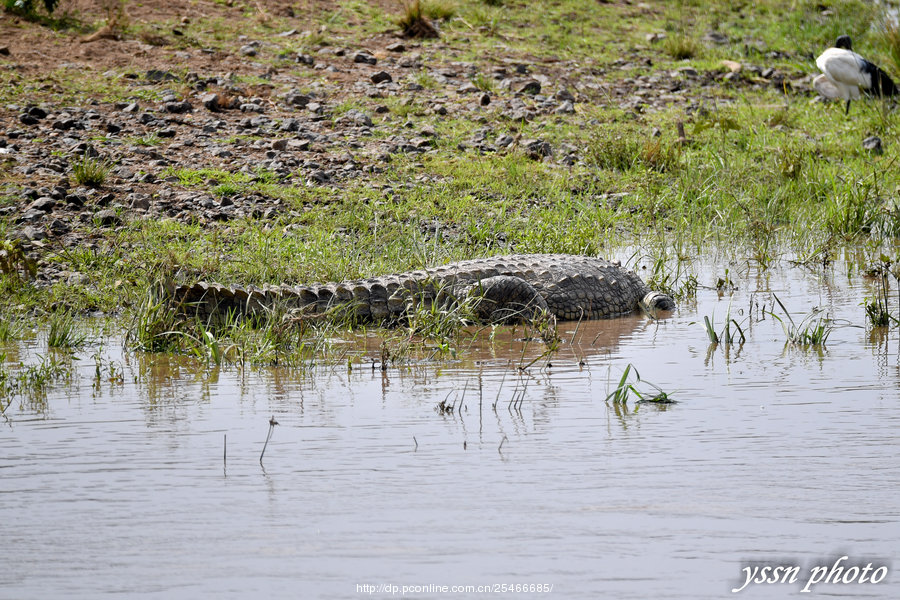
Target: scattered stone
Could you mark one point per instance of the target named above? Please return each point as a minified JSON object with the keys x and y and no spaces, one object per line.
{"x":467,"y":88}
{"x":131,"y":108}
{"x":537,"y":149}
{"x":4,"y":51}
{"x":108,"y":218}
{"x":32,"y":234}
{"x":251,"y":49}
{"x":211,"y":101}
{"x":290,"y":125}
{"x":37,"y":112}
{"x":733,"y":66}
{"x":279,"y":145}
{"x":529,"y":86}
{"x":485,"y":99}
{"x":358,"y":117}
{"x":873,"y":145}
{"x":140,"y":201}
{"x":178,"y":107}
{"x":566,"y":108}
{"x":251,"y":107}
{"x":396,"y":47}
{"x":156,"y":76}
{"x":381,"y":76}
{"x":504,"y":140}
{"x":295,"y":98}
{"x":716,"y":38}
{"x":43,"y":204}
{"x":655,"y":37}
{"x":365,"y":58}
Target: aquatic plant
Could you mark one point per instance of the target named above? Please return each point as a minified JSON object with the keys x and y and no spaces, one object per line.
{"x":628,"y":388}
{"x":813,"y":329}
{"x":64,"y":332}
{"x":726,"y":336}
{"x":877,"y":309}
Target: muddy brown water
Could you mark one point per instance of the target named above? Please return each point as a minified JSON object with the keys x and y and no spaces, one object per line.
{"x":773,"y":456}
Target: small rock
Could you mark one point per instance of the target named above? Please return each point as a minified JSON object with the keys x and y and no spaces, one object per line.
{"x":485,"y":99}
{"x":873,"y":145}
{"x":59,"y":227}
{"x":108,"y":218}
{"x":467,"y":88}
{"x":381,"y":76}
{"x":131,"y":108}
{"x":566,"y":108}
{"x":504,"y":140}
{"x":290,"y":125}
{"x":32,"y":233}
{"x":251,"y":107}
{"x":4,"y":51}
{"x":297,"y":99}
{"x":537,"y":148}
{"x":529,"y":86}
{"x":156,"y":75}
{"x":43,"y":204}
{"x":249,"y":50}
{"x":733,"y":66}
{"x":395,"y":47}
{"x":140,"y":201}
{"x":211,"y":101}
{"x":365,"y":58}
{"x":279,"y":144}
{"x":358,"y":118}
{"x":716,"y":38}
{"x":178,"y":107}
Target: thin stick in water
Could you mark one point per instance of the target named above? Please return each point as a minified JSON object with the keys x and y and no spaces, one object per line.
{"x":272,"y":424}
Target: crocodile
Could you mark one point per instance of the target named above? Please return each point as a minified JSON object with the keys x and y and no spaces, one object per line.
{"x":499,"y":289}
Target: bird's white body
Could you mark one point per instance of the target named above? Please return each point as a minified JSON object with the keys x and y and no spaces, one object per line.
{"x":843,"y":74}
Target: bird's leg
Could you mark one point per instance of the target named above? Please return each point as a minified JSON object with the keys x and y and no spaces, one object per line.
{"x":847,"y":110}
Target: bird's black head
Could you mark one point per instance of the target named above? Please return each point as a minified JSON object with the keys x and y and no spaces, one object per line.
{"x":844,"y":42}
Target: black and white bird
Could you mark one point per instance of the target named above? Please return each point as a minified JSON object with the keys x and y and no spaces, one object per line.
{"x":845,"y":74}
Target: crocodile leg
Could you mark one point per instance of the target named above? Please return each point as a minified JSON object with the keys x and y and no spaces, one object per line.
{"x":505,"y":298}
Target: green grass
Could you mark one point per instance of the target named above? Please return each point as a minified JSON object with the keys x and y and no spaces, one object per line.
{"x":629,"y":387}
{"x":813,"y":330}
{"x":89,"y":171}
{"x":64,"y":332}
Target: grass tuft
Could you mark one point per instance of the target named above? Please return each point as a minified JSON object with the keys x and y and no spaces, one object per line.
{"x":414,"y":22}
{"x":813,"y":330}
{"x":64,"y":332}
{"x":90,"y":171}
{"x":682,"y":46}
